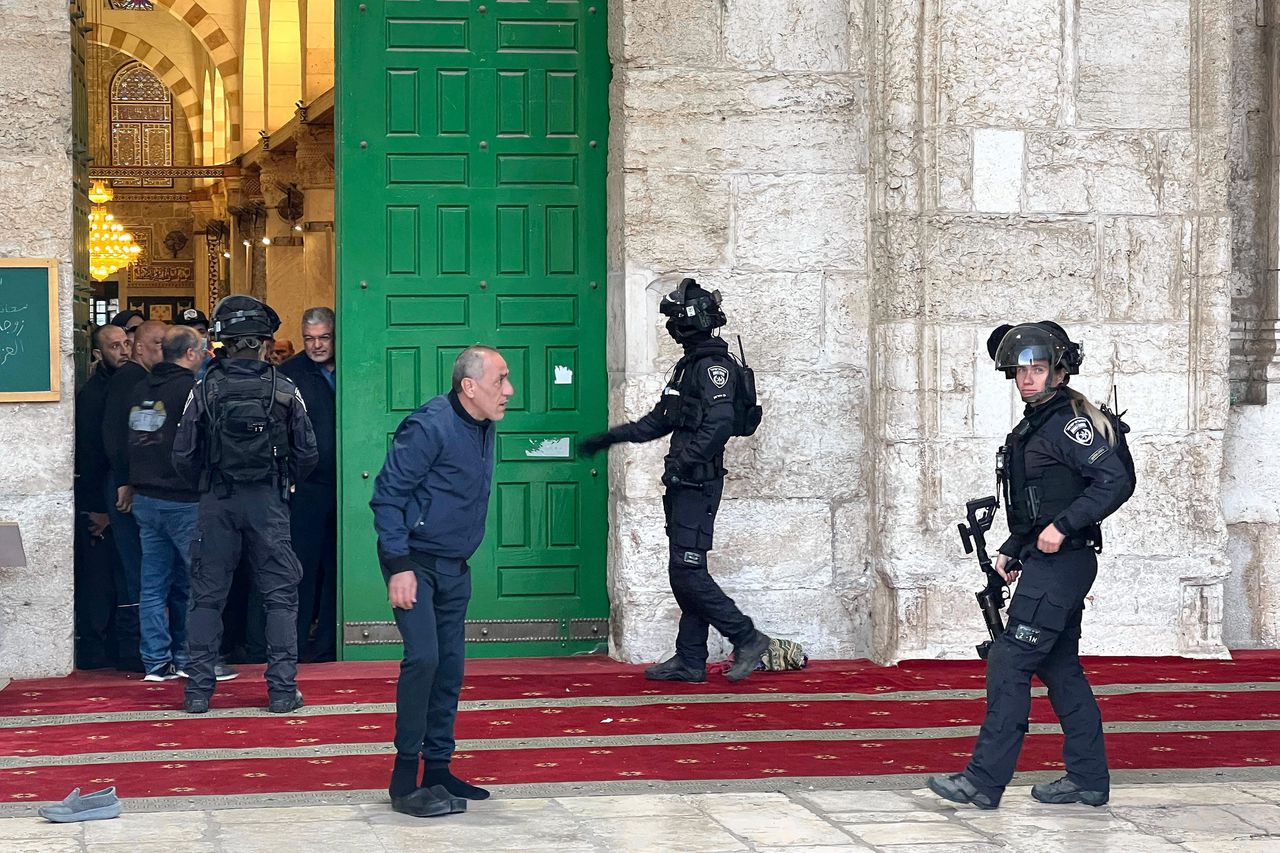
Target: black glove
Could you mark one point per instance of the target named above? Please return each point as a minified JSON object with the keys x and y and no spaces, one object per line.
{"x":592,"y":445}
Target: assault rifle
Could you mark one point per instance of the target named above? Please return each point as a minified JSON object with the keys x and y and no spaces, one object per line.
{"x":980,"y":513}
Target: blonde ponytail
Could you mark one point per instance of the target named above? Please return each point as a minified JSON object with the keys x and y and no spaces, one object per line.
{"x":1101,"y":423}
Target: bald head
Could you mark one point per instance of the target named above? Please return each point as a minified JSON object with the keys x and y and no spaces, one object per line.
{"x":148,"y":343}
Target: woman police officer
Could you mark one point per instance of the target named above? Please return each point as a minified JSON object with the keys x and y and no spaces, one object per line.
{"x":1065,"y":469}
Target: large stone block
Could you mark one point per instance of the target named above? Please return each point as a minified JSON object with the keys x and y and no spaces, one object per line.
{"x":1073,"y":172}
{"x":1177,"y":171}
{"x":40,"y":226}
{"x":676,"y":221}
{"x":769,"y":311}
{"x":787,"y":35}
{"x":1028,"y":268}
{"x":801,"y":222}
{"x":668,"y":32}
{"x":716,"y":122}
{"x":1176,"y":510}
{"x":1142,"y":269}
{"x":36,"y":614}
{"x":998,"y":62}
{"x":846,"y":319}
{"x":810,"y":444}
{"x":1134,"y":63}
{"x":953,"y":169}
{"x":997,"y":170}
{"x":1250,"y":467}
{"x":774,"y":545}
{"x":1251,"y":618}
{"x":36,"y":73}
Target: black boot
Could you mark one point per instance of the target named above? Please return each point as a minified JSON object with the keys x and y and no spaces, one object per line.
{"x":747,"y":657}
{"x":676,"y":669}
{"x":958,"y":789}
{"x":421,"y":803}
{"x":1065,"y":791}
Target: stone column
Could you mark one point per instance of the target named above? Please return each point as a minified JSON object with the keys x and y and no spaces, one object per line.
{"x":207,"y":255}
{"x":316,"y":178}
{"x":285,"y":254}
{"x":36,"y":175}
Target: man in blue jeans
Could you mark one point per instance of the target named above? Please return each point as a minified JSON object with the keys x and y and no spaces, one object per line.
{"x":164,"y":504}
{"x":429,"y":506}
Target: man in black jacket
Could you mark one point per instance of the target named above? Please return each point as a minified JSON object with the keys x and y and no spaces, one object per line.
{"x":164,"y":504}
{"x":96,"y":560}
{"x":313,"y":512}
{"x":697,"y":411}
{"x":146,"y":351}
{"x":244,"y":439}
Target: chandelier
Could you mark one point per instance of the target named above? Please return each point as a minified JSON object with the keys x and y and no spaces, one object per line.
{"x":110,"y":246}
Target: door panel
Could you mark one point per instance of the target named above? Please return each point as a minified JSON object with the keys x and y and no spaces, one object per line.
{"x":471,"y":154}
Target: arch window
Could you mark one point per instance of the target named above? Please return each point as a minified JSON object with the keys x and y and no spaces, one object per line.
{"x":141,"y":123}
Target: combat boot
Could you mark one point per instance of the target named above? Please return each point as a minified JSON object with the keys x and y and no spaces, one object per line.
{"x":1065,"y":791}
{"x":748,"y":656}
{"x":676,"y":669}
{"x":958,"y":789}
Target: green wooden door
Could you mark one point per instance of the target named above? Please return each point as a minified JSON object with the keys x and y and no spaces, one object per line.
{"x":471,"y":189}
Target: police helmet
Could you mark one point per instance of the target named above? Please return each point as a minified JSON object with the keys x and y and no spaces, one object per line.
{"x":243,"y":316}
{"x":692,"y":309}
{"x":1012,"y":347}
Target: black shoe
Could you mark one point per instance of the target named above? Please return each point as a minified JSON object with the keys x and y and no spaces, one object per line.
{"x":195,"y":705}
{"x":421,"y":803}
{"x":440,"y":777}
{"x":224,"y":672}
{"x":457,"y":805}
{"x":1065,"y":791}
{"x":747,"y":657}
{"x":958,"y":789}
{"x":676,"y":669}
{"x":286,"y":704}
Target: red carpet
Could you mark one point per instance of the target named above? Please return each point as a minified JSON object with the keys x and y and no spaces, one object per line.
{"x":595,"y":721}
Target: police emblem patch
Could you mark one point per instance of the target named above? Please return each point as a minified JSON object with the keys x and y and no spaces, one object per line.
{"x":718,"y":375}
{"x":1079,"y":430}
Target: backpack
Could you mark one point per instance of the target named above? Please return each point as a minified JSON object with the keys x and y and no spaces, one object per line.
{"x":248,"y":438}
{"x":1121,"y":448}
{"x":747,"y":411}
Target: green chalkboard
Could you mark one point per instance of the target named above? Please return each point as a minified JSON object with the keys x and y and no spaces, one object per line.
{"x":28,"y":329}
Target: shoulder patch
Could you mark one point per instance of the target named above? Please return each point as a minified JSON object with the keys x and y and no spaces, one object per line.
{"x":1079,"y":430}
{"x":719,"y":375}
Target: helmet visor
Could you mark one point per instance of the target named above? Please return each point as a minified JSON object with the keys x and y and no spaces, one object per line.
{"x":1026,"y":345}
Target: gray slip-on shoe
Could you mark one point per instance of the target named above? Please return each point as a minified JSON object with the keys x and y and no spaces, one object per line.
{"x":100,"y":805}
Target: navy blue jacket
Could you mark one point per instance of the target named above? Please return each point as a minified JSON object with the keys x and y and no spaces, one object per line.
{"x":318,"y":394}
{"x":432,"y":494}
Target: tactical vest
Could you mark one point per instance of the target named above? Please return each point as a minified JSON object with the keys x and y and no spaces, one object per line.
{"x":684,"y":407}
{"x":1032,"y":502}
{"x":247,"y":437}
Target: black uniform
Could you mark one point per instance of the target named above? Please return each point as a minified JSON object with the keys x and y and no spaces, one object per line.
{"x":1061,"y":472}
{"x":697,"y":410}
{"x":250,"y":516}
{"x":96,"y":560}
{"x":314,"y":513}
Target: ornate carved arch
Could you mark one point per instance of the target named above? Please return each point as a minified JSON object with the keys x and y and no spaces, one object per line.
{"x":152,"y":57}
{"x":221,"y":50}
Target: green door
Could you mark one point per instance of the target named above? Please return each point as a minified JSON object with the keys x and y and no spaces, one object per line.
{"x":471,"y":189}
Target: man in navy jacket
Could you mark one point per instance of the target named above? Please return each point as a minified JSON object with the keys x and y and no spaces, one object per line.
{"x":313,"y":512}
{"x":429,"y":506}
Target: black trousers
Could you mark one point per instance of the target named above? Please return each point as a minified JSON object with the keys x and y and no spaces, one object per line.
{"x":434,"y":634}
{"x":127,"y":583}
{"x":313,"y":516}
{"x":254,"y":521}
{"x":691,"y":519}
{"x":95,"y":596}
{"x":1042,"y":639}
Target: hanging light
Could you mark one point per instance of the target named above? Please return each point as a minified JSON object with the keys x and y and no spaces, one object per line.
{"x":110,"y":246}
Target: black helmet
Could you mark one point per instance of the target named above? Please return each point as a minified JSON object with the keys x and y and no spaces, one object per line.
{"x":1012,"y":347}
{"x":243,"y":316}
{"x":691,"y":310}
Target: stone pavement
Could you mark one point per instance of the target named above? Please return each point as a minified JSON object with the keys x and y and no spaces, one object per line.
{"x":1192,"y":818}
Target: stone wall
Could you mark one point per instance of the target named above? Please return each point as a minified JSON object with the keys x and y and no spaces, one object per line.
{"x":36,"y":221}
{"x":874,"y":188}
{"x":1047,"y":159}
{"x":738,"y":155}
